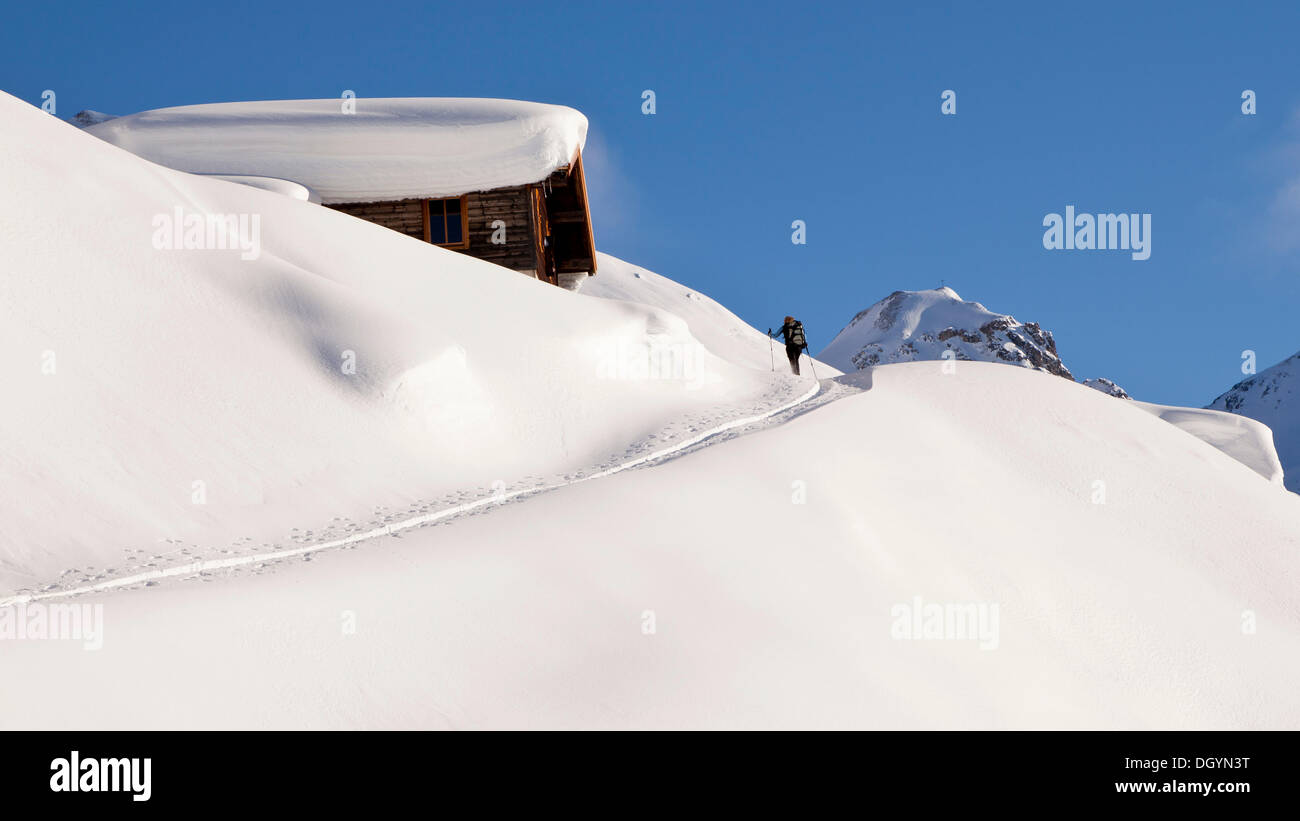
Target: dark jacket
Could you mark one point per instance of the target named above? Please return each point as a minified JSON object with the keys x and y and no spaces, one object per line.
{"x":792,"y":333}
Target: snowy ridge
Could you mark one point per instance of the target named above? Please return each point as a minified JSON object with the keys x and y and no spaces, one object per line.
{"x":1246,"y":440}
{"x":927,"y":325}
{"x":909,"y":326}
{"x":1272,"y":397}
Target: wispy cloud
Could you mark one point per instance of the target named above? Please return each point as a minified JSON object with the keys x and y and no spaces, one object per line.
{"x":1282,"y":216}
{"x":611,"y":192}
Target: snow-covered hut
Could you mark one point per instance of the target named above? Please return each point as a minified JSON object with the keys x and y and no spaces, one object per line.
{"x":500,"y":180}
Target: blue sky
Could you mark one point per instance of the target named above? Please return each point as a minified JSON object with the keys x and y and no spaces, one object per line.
{"x":768,"y":113}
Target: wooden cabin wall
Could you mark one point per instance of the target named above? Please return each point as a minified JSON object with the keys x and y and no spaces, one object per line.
{"x":514,"y":207}
{"x":405,"y":216}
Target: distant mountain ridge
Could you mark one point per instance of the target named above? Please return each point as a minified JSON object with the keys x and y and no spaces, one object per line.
{"x":907,"y":326}
{"x":88,"y":117}
{"x":1107,"y":387}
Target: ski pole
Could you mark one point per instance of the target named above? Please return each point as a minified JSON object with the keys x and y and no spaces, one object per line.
{"x":810,"y":359}
{"x":771,"y":349}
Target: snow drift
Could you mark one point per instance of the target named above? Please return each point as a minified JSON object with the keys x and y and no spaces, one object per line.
{"x":168,"y":405}
{"x":1272,"y":396}
{"x":755,"y":583}
{"x":163,"y":405}
{"x":1246,"y":440}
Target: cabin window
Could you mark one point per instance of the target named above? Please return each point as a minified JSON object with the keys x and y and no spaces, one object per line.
{"x":447,"y":222}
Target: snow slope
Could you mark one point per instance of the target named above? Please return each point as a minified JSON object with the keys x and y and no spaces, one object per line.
{"x":752,"y":582}
{"x":717,"y":328}
{"x":909,"y":326}
{"x":1272,"y":396}
{"x":1123,"y":610}
{"x":195,"y":404}
{"x":389,"y":149}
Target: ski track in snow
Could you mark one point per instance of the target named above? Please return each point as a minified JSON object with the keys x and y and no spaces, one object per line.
{"x":828,"y":389}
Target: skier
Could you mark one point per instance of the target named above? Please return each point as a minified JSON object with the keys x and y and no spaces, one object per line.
{"x":795,"y":342}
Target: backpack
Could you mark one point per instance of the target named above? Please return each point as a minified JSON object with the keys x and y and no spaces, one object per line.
{"x":796,"y":336}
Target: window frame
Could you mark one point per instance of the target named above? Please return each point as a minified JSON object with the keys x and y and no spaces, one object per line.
{"x":428,"y":221}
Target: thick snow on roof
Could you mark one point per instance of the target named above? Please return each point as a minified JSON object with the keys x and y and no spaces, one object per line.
{"x":388,"y":149}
